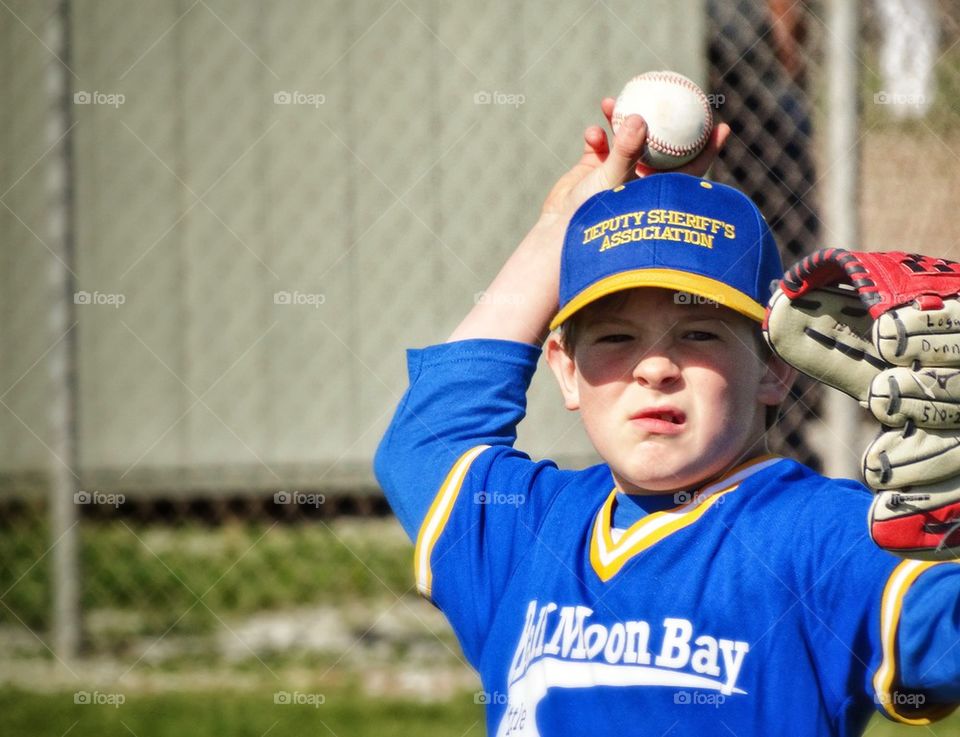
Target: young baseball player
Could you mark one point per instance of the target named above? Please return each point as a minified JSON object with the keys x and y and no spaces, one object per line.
{"x":690,"y":584}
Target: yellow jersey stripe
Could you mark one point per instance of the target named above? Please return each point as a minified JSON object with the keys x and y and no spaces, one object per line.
{"x":608,"y":557}
{"x":437,"y":517}
{"x":891,"y":605}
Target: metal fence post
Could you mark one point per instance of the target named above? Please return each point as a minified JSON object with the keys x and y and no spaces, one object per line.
{"x":842,"y":211}
{"x":63,"y":474}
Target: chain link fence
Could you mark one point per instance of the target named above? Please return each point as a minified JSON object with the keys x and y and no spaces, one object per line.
{"x":765,"y":61}
{"x":271,"y":203}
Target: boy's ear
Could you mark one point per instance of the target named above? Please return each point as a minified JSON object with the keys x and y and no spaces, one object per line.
{"x":776,"y":381}
{"x":565,"y":370}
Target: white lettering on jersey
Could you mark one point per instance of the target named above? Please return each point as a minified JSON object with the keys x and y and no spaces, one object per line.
{"x":560,"y":647}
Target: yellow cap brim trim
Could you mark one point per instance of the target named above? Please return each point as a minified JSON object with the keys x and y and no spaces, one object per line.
{"x":680,"y":281}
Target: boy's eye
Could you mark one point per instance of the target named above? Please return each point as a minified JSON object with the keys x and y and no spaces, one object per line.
{"x":614,"y":338}
{"x":700,"y":335}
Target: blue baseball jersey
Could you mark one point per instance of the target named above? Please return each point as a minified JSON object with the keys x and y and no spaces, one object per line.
{"x":756,"y":604}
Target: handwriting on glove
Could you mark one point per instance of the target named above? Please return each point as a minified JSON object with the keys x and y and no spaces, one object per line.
{"x":885,"y":329}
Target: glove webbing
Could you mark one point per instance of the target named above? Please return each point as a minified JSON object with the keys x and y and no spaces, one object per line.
{"x":838,"y":265}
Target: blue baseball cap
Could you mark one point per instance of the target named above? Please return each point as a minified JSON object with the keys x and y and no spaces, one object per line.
{"x":672,"y":231}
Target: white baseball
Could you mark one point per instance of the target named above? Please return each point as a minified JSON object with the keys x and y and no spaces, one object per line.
{"x":678,"y":115}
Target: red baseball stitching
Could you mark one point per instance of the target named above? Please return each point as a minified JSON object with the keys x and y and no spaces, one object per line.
{"x":658,"y":144}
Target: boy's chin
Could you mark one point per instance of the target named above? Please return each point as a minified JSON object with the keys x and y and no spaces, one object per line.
{"x":665,"y":467}
{"x":660,"y":483}
{"x":663,"y":475}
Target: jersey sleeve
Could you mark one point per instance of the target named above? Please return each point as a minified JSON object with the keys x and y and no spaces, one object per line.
{"x":905,"y":683}
{"x":472,"y":503}
{"x":929,"y":633}
{"x":460,"y":395}
{"x":870,"y":614}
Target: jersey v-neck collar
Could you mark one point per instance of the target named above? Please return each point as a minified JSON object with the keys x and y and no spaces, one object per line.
{"x":608,"y":557}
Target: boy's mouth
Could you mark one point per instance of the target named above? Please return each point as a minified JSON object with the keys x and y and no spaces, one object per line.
{"x":659,"y":420}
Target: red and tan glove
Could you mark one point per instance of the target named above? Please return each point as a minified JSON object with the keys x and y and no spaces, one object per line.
{"x":885,"y":329}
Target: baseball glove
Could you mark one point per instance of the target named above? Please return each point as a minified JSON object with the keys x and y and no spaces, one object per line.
{"x":885,"y":329}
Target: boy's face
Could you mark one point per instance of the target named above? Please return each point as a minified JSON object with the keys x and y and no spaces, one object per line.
{"x":670,"y":393}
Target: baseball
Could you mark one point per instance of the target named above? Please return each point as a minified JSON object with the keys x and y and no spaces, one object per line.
{"x":678,"y":115}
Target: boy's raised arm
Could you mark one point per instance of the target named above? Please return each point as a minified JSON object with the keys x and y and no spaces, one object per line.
{"x":522,"y":298}
{"x":461,"y":397}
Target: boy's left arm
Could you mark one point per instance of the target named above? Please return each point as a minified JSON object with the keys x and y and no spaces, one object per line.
{"x":928,"y":636}
{"x":885,"y":630}
{"x":885,"y":328}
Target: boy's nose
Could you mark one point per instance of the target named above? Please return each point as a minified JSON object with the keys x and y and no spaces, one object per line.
{"x":656,"y":371}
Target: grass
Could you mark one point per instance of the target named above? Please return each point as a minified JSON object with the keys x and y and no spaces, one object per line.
{"x":255,"y":715}
{"x":235,"y":714}
{"x":149,"y":578}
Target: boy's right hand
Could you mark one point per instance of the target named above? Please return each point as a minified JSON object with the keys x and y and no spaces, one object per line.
{"x":523,"y":297}
{"x":601,"y":167}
